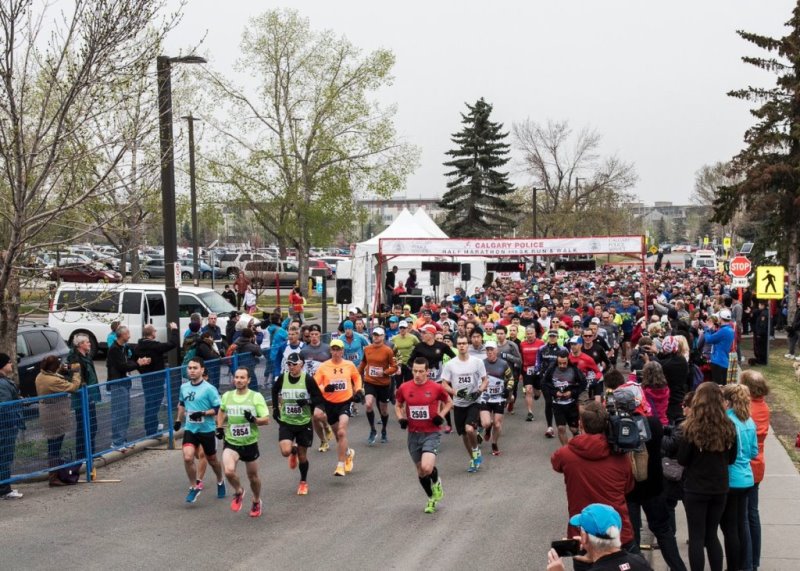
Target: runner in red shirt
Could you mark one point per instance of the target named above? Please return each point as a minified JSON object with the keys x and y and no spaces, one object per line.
{"x":587,"y":366}
{"x":530,"y":380}
{"x":417,"y":409}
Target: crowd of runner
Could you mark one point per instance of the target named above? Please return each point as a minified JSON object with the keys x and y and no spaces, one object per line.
{"x":457,"y":366}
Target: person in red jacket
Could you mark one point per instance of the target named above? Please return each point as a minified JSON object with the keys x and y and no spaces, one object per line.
{"x":587,"y":366}
{"x":296,"y":303}
{"x":593,"y":474}
{"x":759,"y":412}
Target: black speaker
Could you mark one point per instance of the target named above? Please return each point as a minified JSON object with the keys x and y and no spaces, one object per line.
{"x":344,"y":291}
{"x":435,"y":279}
{"x":465,"y":272}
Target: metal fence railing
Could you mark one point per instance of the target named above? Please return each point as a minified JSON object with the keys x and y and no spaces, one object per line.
{"x":43,"y":434}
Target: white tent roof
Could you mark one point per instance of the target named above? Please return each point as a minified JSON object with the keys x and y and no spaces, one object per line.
{"x":404,"y":226}
{"x":428,"y":224}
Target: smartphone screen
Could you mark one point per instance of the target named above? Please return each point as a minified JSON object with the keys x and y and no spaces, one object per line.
{"x":567,"y":547}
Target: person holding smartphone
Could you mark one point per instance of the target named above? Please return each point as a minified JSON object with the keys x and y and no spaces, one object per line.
{"x":599,"y":543}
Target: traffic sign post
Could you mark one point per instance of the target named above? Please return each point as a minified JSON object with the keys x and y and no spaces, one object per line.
{"x":740,"y":283}
{"x":769,"y":282}
{"x":740,"y":267}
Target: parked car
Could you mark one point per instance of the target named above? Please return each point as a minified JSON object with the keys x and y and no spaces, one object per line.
{"x":155,"y":269}
{"x":332,"y":261}
{"x":34,"y":343}
{"x":262,"y":273}
{"x":232,"y":263}
{"x":205,"y":269}
{"x":321,"y":265}
{"x":84,"y":274}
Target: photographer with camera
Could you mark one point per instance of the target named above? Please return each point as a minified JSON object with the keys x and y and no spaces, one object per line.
{"x":600,"y":531}
{"x":593,"y":474}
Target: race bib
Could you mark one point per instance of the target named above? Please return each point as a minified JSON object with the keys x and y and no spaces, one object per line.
{"x":433,"y":374}
{"x":375,"y":371}
{"x":419,"y":413}
{"x":590,"y":376}
{"x":190,"y":421}
{"x":351,"y":356}
{"x":495,"y":390}
{"x":464,"y":380}
{"x":339,"y":385}
{"x":530,"y":370}
{"x":293,"y":410}
{"x":240,"y":430}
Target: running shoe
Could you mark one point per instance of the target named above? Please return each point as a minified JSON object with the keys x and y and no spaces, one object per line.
{"x":550,"y":433}
{"x":529,"y":418}
{"x":438,"y":492}
{"x":221,"y":490}
{"x":302,"y":489}
{"x":448,"y":429}
{"x":255,"y":509}
{"x":627,"y":364}
{"x":293,"y":459}
{"x":384,"y":438}
{"x":496,"y":452}
{"x":477,"y":457}
{"x":191,"y":497}
{"x":329,"y":435}
{"x":339,"y":470}
{"x":236,"y":503}
{"x":16,"y":495}
{"x":348,"y":461}
{"x":430,"y":507}
{"x":788,"y":356}
{"x":199,"y":485}
{"x":373,"y":434}
{"x":323,"y":447}
{"x":472,"y":468}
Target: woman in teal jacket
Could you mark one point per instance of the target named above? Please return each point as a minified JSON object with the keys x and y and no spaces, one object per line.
{"x":740,"y":476}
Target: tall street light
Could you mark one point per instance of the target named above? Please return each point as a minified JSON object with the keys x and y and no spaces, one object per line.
{"x":193,"y":194}
{"x":163,"y":67}
{"x":535,"y":233}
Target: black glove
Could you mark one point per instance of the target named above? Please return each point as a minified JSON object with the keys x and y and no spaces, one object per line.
{"x":248,"y":416}
{"x":358,"y":397}
{"x":475,"y":395}
{"x":503,"y":355}
{"x":196,"y":415}
{"x":330,"y":388}
{"x":220,"y":433}
{"x":301,"y":402}
{"x":176,"y":425}
{"x":276,"y":412}
{"x":462,"y":394}
{"x":403,"y":423}
{"x":438,"y":420}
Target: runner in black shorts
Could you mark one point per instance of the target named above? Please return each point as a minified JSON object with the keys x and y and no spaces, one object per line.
{"x":294,"y":396}
{"x":564,"y":382}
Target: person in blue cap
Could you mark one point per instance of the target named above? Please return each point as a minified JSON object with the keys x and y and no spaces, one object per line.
{"x":601,"y":528}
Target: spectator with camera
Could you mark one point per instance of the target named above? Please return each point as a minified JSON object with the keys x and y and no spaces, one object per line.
{"x":593,"y":474}
{"x":55,"y":378}
{"x":601,"y":529}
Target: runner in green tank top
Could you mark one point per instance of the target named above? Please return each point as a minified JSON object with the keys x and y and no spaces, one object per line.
{"x":244,"y":410}
{"x":294,"y":395}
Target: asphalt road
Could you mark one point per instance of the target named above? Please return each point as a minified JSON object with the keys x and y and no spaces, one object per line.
{"x":503,"y":517}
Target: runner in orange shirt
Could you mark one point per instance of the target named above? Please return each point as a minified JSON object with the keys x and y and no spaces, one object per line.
{"x":340,"y":383}
{"x":377,"y":368}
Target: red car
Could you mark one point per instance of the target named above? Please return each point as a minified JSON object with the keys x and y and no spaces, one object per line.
{"x":84,"y":274}
{"x":320,"y":265}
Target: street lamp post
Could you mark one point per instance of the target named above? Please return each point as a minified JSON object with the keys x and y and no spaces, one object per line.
{"x":193,"y":195}
{"x":535,"y":233}
{"x":163,"y":67}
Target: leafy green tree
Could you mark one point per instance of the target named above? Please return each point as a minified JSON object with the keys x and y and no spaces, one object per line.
{"x":476,"y":202}
{"x":768,"y":168}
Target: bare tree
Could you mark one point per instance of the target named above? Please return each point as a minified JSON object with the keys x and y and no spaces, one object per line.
{"x":60,"y":69}
{"x":579,"y":191}
{"x":708,"y":181}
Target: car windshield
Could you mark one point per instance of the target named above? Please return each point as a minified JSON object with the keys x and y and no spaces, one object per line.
{"x":216,"y":303}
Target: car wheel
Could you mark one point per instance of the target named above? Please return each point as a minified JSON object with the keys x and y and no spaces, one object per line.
{"x":232,"y":273}
{"x":145,"y":275}
{"x":186,"y":275}
{"x":206,"y":275}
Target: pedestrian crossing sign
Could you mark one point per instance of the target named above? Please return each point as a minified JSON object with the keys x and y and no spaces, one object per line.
{"x":769,"y":282}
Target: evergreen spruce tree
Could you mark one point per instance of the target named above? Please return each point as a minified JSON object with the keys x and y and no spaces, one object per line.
{"x":662,"y":234}
{"x":769,"y":165}
{"x":475,"y":203}
{"x":679,"y":231}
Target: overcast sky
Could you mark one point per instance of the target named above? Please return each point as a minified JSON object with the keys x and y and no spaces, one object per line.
{"x":650,"y":77}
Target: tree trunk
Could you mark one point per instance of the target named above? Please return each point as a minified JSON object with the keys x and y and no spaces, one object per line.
{"x":792,"y":269}
{"x":9,"y":313}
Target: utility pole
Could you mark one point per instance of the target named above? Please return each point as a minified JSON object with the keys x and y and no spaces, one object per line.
{"x":193,"y":194}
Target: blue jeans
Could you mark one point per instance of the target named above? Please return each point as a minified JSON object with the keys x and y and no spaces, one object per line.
{"x":8,"y":441}
{"x":120,"y":413}
{"x":753,"y":531}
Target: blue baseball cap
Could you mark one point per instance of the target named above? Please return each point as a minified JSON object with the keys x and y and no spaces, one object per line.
{"x":348,"y":325}
{"x":394,"y":319}
{"x":598,"y":520}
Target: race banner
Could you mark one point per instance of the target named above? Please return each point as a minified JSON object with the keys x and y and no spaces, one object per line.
{"x":499,"y":247}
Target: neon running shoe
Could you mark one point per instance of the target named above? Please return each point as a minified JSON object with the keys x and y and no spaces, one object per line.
{"x":471,"y":468}
{"x":329,"y":435}
{"x":199,"y":485}
{"x":373,"y":434}
{"x":302,"y":489}
{"x":255,"y":509}
{"x":236,"y":503}
{"x":477,"y":457}
{"x":430,"y":507}
{"x":191,"y":497}
{"x":221,"y":490}
{"x":339,"y":470}
{"x":293,"y":459}
{"x":438,"y":492}
{"x":348,"y":461}
{"x":324,"y":447}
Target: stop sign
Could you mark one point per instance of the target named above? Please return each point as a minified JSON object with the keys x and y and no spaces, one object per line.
{"x":740,"y":267}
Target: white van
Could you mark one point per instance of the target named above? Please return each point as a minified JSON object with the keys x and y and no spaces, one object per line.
{"x":90,"y":309}
{"x":705,"y":259}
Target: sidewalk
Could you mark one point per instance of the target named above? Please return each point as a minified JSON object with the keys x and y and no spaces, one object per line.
{"x":779,"y":506}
